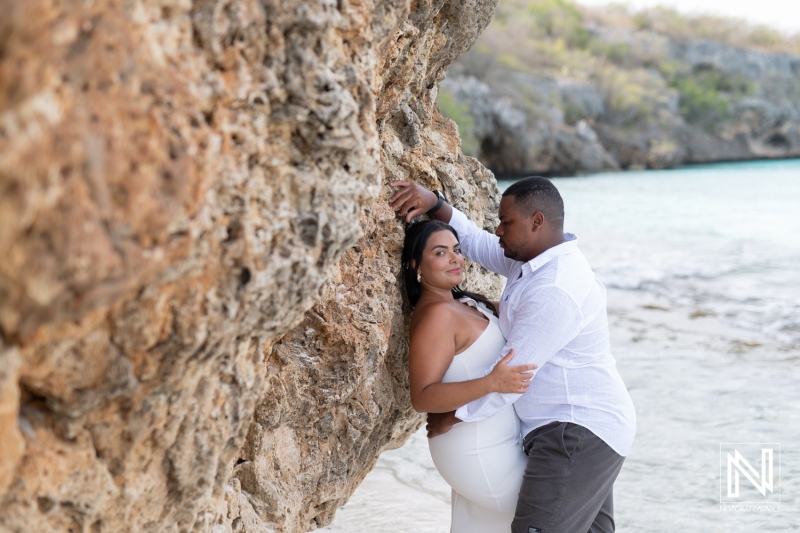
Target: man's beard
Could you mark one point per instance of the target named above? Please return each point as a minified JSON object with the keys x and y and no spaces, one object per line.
{"x":511,"y":254}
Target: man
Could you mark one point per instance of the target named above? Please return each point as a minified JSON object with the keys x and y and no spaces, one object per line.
{"x":577,"y":418}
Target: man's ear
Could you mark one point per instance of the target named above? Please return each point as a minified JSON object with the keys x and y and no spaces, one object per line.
{"x":536,"y":220}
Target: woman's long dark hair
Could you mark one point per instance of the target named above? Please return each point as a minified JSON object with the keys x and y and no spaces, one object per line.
{"x":417,"y":236}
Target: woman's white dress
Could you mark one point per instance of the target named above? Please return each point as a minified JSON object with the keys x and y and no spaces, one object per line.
{"x":482,"y":461}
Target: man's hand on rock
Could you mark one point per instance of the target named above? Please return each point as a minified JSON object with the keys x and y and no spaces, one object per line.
{"x":440,"y":423}
{"x":412,"y":200}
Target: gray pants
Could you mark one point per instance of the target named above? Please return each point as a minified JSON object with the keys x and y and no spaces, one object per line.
{"x":567,"y":487}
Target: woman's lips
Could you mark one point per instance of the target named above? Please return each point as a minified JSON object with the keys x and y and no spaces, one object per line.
{"x":455,"y":271}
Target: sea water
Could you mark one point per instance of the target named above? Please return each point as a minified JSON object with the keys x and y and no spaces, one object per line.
{"x":703,"y":269}
{"x":710,"y":248}
{"x":724,"y":239}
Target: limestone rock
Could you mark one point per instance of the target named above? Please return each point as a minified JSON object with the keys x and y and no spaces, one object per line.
{"x":201,"y":323}
{"x":517,"y":140}
{"x":11,"y":441}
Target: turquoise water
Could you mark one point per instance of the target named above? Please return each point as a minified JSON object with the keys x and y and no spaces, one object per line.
{"x":720,"y":239}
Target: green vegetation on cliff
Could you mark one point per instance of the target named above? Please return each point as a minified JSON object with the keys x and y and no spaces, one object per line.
{"x":459,"y":113}
{"x":559,"y":38}
{"x":654,"y":70}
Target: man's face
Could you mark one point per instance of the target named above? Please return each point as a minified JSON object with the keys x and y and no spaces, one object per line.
{"x":514,"y":230}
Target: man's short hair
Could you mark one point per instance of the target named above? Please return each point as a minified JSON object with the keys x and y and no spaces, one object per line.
{"x":536,"y":193}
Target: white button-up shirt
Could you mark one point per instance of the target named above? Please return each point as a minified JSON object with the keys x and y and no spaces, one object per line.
{"x":553,"y":314}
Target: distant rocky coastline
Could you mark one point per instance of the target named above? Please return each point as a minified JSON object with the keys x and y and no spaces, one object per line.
{"x":589,"y":97}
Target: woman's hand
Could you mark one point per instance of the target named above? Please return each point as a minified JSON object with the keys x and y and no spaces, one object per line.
{"x":510,"y":379}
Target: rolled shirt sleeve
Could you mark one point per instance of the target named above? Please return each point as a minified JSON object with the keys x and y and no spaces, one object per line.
{"x":481,"y":246}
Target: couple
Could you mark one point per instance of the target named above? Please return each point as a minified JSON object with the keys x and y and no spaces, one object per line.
{"x":534,"y":367}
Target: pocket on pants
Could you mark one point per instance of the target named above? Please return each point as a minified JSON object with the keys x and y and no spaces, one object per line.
{"x":549,"y":433}
{"x":572,"y":436}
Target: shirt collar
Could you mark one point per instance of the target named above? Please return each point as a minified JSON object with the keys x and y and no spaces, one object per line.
{"x":569,"y":246}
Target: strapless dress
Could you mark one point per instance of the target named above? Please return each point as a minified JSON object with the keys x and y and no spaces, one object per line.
{"x":482,"y":461}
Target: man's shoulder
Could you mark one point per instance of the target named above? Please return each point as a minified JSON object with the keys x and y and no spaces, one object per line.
{"x":549,"y":287}
{"x":564,"y":271}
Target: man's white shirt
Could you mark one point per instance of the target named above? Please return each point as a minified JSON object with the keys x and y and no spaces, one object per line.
{"x":553,"y":314}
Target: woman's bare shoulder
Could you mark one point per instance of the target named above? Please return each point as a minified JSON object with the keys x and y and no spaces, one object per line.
{"x":432,"y":316}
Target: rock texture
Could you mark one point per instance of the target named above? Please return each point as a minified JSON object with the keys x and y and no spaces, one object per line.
{"x":654,"y":102}
{"x":201,"y":324}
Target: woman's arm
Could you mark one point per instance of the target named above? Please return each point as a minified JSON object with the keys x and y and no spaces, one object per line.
{"x":445,"y":397}
{"x":432,"y":350}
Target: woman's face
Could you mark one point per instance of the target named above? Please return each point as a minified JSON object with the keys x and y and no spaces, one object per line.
{"x":442,"y":264}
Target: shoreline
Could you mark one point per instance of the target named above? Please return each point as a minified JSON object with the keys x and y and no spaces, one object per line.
{"x":684,"y":166}
{"x":672,"y":359}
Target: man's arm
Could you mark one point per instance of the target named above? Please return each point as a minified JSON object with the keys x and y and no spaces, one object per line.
{"x":546,"y":322}
{"x":440,"y":423}
{"x":477,"y":244}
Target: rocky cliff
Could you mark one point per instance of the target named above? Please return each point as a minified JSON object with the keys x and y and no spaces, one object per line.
{"x":201,"y":326}
{"x":554,"y":88}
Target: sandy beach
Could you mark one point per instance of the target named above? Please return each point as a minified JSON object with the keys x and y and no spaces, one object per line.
{"x":696,"y":383}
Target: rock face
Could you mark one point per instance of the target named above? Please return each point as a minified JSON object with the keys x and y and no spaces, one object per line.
{"x":201,"y":324}
{"x":659,"y":102}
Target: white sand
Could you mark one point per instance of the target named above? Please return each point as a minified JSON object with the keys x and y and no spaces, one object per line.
{"x":695,"y":383}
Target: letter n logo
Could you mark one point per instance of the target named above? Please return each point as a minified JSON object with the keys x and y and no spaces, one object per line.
{"x":745,"y":480}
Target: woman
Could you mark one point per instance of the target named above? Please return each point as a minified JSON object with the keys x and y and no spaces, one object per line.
{"x":454,"y":340}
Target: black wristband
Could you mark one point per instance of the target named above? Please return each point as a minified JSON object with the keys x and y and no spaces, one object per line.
{"x":438,"y":203}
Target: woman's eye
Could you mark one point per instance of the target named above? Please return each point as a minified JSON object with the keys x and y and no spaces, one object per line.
{"x":458,"y":251}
